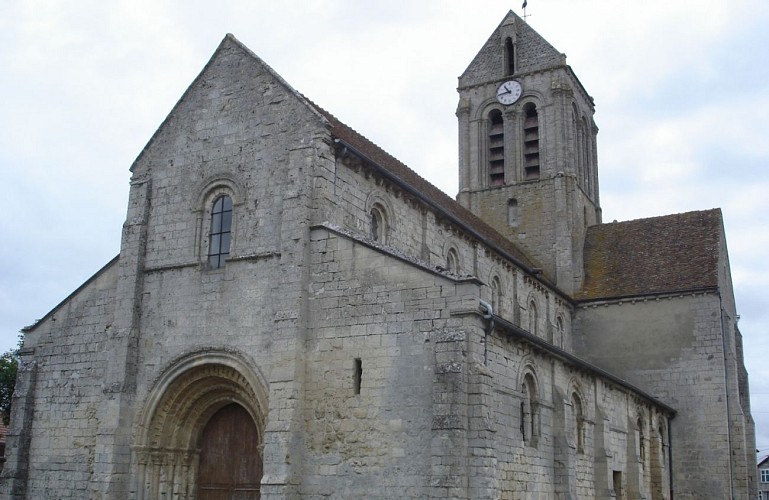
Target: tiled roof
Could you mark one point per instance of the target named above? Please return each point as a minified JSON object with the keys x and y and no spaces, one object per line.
{"x":438,"y":198}
{"x":671,"y":253}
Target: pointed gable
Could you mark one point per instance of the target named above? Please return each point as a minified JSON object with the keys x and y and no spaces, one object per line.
{"x":533,"y":53}
{"x":672,"y":253}
{"x":230,"y":88}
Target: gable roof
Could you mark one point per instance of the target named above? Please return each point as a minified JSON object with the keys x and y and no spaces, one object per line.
{"x":665,"y":254}
{"x":533,"y":53}
{"x":229,"y":42}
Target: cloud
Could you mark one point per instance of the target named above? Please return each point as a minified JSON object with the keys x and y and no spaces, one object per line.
{"x":682,"y":102}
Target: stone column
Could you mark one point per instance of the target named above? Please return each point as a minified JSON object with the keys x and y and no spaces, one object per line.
{"x":565,"y":464}
{"x":111,"y":466}
{"x":449,"y":449}
{"x":482,"y":460}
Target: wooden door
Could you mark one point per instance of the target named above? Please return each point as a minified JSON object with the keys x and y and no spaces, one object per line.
{"x":230,"y":464}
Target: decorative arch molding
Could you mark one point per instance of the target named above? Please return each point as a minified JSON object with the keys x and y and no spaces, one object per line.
{"x":215,"y":186}
{"x":486,"y":107}
{"x":532,"y":96}
{"x":378,"y":201}
{"x":534,"y":317}
{"x":501,"y":276}
{"x":528,"y":366}
{"x":182,"y":400}
{"x":207,"y":192}
{"x":580,"y":415}
{"x":575,"y":387}
{"x":529,"y":417}
{"x":497,"y":285}
{"x":451,"y":251}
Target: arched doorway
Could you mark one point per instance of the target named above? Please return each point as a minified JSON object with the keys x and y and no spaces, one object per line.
{"x":230,"y":465}
{"x":201,"y":399}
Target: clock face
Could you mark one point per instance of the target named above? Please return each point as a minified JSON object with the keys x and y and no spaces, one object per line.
{"x":509,"y":92}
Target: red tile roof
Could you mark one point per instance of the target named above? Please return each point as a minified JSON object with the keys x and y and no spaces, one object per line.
{"x":671,"y":253}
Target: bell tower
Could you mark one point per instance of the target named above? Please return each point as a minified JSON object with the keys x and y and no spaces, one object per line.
{"x":527,"y":148}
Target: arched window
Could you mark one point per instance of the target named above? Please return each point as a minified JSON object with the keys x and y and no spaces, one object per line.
{"x":452,"y":260}
{"x":559,"y":330}
{"x":496,"y":291}
{"x":658,"y":463}
{"x":578,"y":422}
{"x":378,"y":224}
{"x":221,"y":232}
{"x":533,"y":318}
{"x":496,"y":149}
{"x":576,"y":141}
{"x":531,"y":141}
{"x":641,"y":441}
{"x":529,"y":418}
{"x":586,"y":157}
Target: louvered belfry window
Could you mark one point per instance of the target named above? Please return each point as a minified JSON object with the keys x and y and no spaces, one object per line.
{"x":496,"y":149}
{"x":531,"y":142}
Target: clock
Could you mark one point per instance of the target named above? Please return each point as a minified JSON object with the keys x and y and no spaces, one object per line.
{"x":509,"y":92}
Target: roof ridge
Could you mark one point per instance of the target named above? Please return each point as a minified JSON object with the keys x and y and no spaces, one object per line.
{"x":655,"y":217}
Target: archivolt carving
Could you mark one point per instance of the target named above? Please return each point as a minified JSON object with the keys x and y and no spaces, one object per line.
{"x":178,"y":407}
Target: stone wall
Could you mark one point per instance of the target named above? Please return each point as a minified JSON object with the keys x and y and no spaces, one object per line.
{"x":376,"y":314}
{"x":674,"y":347}
{"x":420,"y":235}
{"x":52,"y":437}
{"x":584,"y":430}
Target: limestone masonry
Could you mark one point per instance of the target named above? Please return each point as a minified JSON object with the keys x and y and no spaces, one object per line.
{"x":296,"y":314}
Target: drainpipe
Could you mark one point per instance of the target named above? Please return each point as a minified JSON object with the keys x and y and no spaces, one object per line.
{"x":489,"y":317}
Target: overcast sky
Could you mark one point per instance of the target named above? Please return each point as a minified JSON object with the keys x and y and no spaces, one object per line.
{"x":681,"y":90}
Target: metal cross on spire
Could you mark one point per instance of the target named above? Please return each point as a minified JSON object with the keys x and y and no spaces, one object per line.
{"x":525,"y":3}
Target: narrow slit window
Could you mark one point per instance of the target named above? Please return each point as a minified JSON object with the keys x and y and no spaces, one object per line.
{"x":529,"y":423}
{"x":512,"y":213}
{"x":524,"y":417}
{"x":378,"y":224}
{"x":452,"y":260}
{"x":220,"y":236}
{"x":578,"y":423}
{"x":357,"y":375}
{"x":496,"y":290}
{"x":510,"y":56}
{"x":496,"y":149}
{"x":533,"y":318}
{"x":559,"y":330}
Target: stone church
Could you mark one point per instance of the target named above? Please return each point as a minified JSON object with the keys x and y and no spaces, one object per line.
{"x":294,"y":313}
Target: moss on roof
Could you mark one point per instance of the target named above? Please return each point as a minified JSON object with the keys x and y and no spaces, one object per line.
{"x":665,"y":254}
